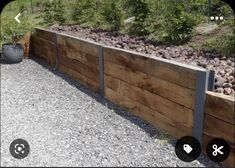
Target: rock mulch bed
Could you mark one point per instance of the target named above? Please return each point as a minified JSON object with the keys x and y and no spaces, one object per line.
{"x":223,"y":66}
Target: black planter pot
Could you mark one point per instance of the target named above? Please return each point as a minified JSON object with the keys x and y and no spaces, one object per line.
{"x":12,"y":53}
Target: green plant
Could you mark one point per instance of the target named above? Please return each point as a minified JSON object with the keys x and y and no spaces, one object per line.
{"x":54,"y":12}
{"x":112,"y":14}
{"x":179,"y":25}
{"x":12,"y":31}
{"x":87,"y":11}
{"x":22,"y":8}
{"x":223,"y":45}
{"x":140,"y":10}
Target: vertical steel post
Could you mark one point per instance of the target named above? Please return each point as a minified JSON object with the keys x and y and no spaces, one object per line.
{"x":201,"y":87}
{"x":56,"y":52}
{"x":101,"y":70}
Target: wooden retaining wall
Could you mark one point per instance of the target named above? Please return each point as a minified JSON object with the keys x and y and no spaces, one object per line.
{"x":169,"y":95}
{"x":160,"y":92}
{"x":219,"y":121}
{"x":72,"y":56}
{"x":80,"y":60}
{"x":43,"y":45}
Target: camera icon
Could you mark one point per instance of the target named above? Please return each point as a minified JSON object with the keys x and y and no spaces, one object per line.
{"x":19,"y":148}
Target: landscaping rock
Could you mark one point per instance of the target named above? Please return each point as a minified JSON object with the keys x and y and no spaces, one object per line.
{"x":223,"y":66}
{"x":227,"y":85}
{"x":228,"y":91}
{"x":219,"y":81}
{"x":220,"y":90}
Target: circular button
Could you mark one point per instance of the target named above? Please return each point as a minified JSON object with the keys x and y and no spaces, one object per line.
{"x":187,"y":148}
{"x":19,"y":148}
{"x":218,"y":149}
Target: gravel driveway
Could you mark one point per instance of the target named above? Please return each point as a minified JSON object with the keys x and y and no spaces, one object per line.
{"x":68,"y":125}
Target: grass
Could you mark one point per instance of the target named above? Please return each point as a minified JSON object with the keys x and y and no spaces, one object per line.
{"x":163,"y":138}
{"x":220,"y":40}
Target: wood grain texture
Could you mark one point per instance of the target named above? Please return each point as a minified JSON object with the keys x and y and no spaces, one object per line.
{"x":174,"y":128}
{"x":45,"y":34}
{"x":167,"y":71}
{"x":215,"y":127}
{"x":169,"y":109}
{"x":87,"y":59}
{"x":73,"y":46}
{"x":93,"y":85}
{"x":219,"y":122}
{"x":168,"y":90}
{"x":90,"y":72}
{"x":44,"y":49}
{"x":230,"y":161}
{"x":220,"y":106}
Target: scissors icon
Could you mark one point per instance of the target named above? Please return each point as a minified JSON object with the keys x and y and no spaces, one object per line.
{"x":217,"y":150}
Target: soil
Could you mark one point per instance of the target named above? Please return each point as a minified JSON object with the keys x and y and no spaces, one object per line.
{"x":222,"y":65}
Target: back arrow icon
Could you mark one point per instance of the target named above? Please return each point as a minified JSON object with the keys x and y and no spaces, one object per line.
{"x":16,"y":18}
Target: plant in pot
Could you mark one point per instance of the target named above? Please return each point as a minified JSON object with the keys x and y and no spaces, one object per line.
{"x":13,"y":52}
{"x":11,"y":33}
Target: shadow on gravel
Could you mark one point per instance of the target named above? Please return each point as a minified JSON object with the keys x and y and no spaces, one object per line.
{"x":149,"y":129}
{"x":2,"y":61}
{"x":152,"y":132}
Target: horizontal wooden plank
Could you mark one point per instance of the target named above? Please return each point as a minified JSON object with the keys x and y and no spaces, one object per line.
{"x":93,"y":85}
{"x":45,"y":34}
{"x":42,"y":42}
{"x":230,"y":161}
{"x":43,"y":48}
{"x":164,"y":106}
{"x":90,"y":72}
{"x":46,"y":54}
{"x":171,"y":91}
{"x":217,"y":128}
{"x":74,"y":46}
{"x":47,"y":60}
{"x":196,"y":68}
{"x":83,"y":57}
{"x":156,"y":119}
{"x":220,"y":106}
{"x":161,"y":69}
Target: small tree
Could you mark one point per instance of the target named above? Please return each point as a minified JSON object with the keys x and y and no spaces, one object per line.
{"x":86,"y":11}
{"x":54,"y":12}
{"x":179,"y":25}
{"x":112,"y":14}
{"x":12,"y":31}
{"x":140,"y":10}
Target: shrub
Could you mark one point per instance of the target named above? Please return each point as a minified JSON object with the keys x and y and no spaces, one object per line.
{"x":22,"y":8}
{"x":58,"y":9}
{"x":54,"y":12}
{"x":87,"y":11}
{"x":179,"y":25}
{"x":10,"y":28}
{"x":140,"y":10}
{"x":112,"y":14}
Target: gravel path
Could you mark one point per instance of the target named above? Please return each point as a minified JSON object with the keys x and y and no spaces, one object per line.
{"x":67,"y":125}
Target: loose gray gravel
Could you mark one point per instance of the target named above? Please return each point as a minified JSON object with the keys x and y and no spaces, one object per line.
{"x":68,"y":125}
